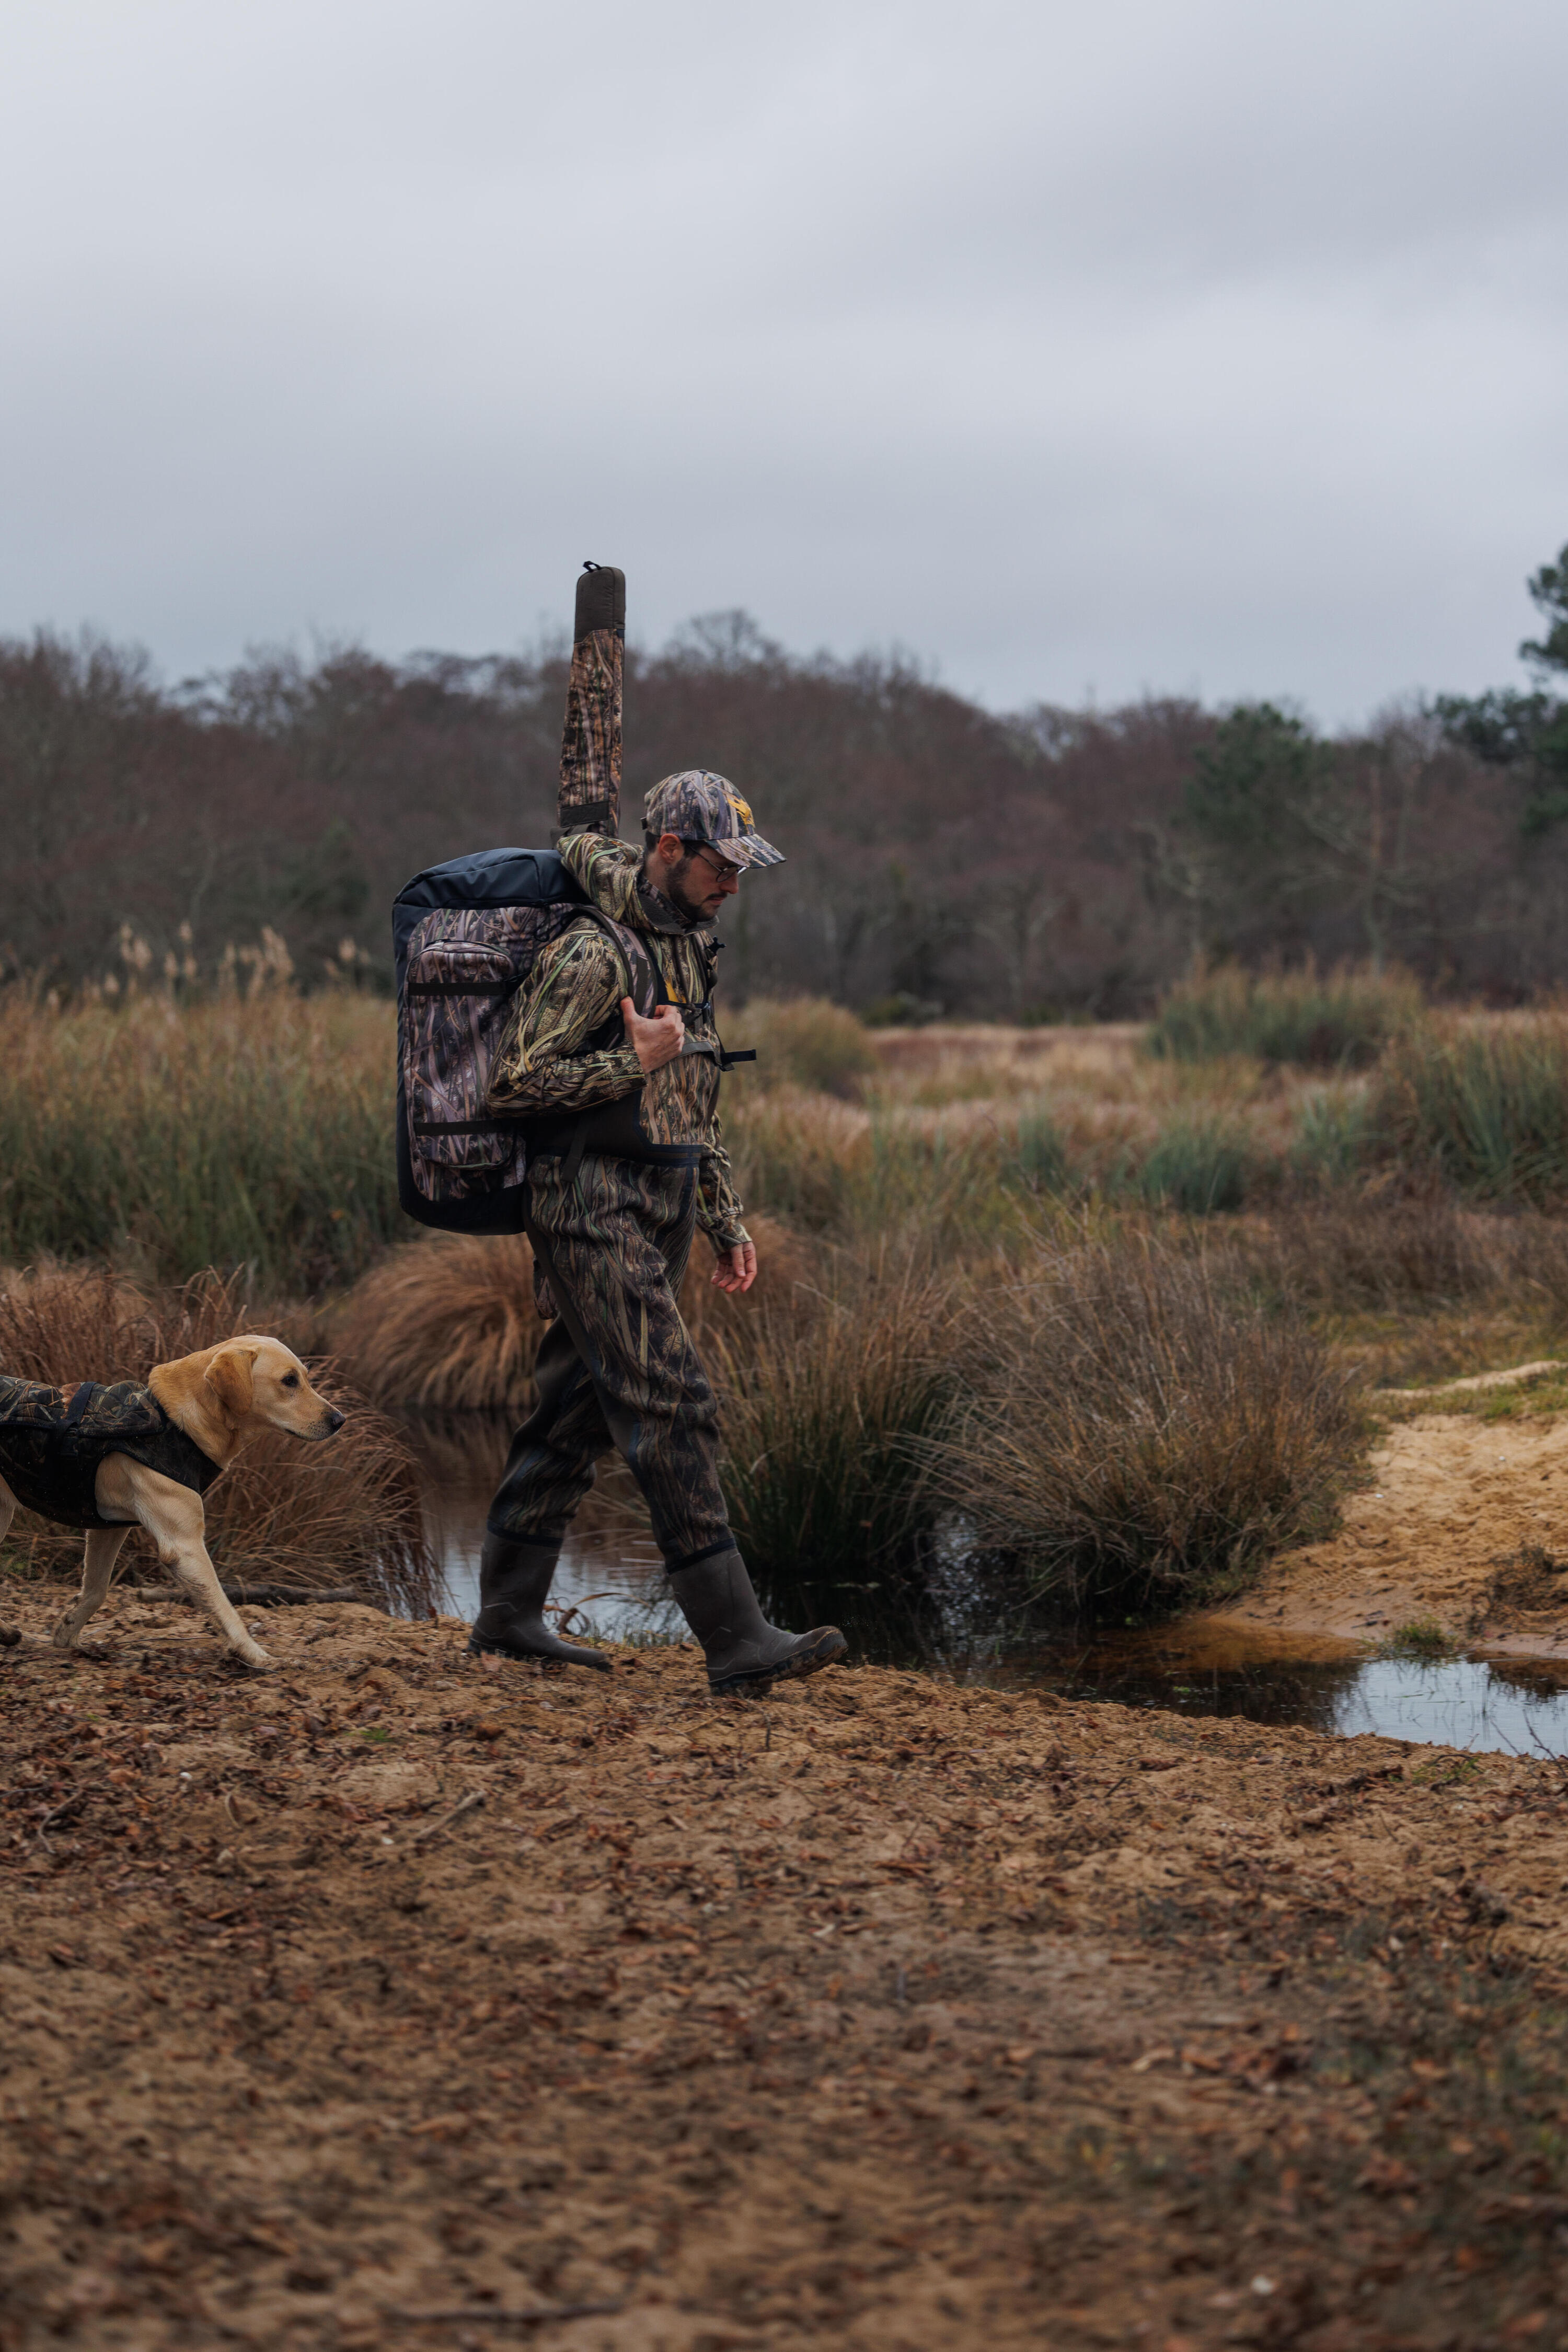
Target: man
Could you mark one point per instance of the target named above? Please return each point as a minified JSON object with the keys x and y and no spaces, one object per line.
{"x":624,"y":1164}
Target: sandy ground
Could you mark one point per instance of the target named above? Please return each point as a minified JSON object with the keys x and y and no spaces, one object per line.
{"x":1438,"y":1535}
{"x":389,"y":2000}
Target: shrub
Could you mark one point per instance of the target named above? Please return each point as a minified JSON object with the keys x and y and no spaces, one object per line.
{"x":1139,"y":1441}
{"x":803,"y":1042}
{"x":1486,"y":1104}
{"x":312,"y":1517}
{"x":1198,"y":1164}
{"x":238,"y":1132}
{"x":1340,"y":1021}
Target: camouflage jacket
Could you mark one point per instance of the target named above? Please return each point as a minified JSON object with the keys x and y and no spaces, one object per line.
{"x":548,"y":1061}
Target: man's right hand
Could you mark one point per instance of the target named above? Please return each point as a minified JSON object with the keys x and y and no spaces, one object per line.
{"x":653,"y":1041}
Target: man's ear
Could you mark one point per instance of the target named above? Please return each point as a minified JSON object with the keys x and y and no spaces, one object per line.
{"x":228,"y":1377}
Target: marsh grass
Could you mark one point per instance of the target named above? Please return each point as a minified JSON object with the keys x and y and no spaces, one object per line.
{"x":1200,"y":1163}
{"x":233,"y":1132}
{"x":1337,"y":1020}
{"x":310,"y":1516}
{"x":1484,"y":1105}
{"x":1139,"y":1437}
{"x":832,"y":1402}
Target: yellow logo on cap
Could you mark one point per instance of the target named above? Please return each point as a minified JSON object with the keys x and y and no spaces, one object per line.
{"x":742,"y":808}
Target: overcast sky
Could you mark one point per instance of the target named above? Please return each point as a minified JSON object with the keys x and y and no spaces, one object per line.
{"x":1208,"y":346}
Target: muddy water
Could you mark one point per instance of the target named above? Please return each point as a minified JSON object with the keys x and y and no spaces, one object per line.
{"x":610,"y":1577}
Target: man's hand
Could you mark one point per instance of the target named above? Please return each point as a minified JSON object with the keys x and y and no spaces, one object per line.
{"x":737,"y":1267}
{"x":653,"y":1041}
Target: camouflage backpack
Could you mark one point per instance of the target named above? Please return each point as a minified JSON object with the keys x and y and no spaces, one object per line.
{"x":466,"y":936}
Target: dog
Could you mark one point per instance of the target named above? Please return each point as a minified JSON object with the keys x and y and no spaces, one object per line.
{"x":108,"y":1459}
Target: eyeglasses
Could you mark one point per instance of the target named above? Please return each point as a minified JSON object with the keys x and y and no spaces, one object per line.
{"x":720,"y":867}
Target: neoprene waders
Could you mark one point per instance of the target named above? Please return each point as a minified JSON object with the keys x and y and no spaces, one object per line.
{"x":742,"y":1650}
{"x":514,"y":1584}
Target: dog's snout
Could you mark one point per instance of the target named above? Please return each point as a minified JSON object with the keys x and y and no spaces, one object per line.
{"x":334,"y":1420}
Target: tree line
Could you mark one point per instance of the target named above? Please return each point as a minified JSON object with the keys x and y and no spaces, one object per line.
{"x":1038,"y":865}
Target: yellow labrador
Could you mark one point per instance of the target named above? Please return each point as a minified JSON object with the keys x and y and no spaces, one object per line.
{"x":109,"y":1458}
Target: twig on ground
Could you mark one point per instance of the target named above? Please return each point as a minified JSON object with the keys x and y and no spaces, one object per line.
{"x":433,"y":1829}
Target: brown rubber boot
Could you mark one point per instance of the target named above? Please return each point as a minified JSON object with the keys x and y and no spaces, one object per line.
{"x":514,"y":1584}
{"x":742,"y":1650}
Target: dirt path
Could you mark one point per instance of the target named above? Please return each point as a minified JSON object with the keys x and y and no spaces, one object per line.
{"x":389,"y":2002}
{"x":1439,"y":1534}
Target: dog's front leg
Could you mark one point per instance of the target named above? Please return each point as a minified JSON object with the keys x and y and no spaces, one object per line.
{"x":103,"y":1548}
{"x":173,"y":1517}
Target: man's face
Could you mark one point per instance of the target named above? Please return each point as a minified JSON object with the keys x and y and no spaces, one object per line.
{"x":699,"y":879}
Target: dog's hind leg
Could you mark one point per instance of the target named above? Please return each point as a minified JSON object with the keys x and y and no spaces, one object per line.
{"x":103,"y":1548}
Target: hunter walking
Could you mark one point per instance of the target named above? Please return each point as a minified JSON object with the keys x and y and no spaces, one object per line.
{"x":612,"y":1055}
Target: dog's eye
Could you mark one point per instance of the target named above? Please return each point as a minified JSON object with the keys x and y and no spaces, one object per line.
{"x":290,"y":1379}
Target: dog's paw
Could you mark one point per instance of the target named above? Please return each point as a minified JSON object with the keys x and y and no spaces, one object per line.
{"x":62,"y":1637}
{"x":259,"y":1661}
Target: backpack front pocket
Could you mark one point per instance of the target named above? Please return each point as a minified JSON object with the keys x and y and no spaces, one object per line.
{"x":457,"y":997}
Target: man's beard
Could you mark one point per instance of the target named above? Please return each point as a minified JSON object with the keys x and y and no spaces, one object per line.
{"x":690,"y":909}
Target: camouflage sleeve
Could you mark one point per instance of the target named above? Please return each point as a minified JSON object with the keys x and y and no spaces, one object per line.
{"x":717,"y":1203}
{"x":576,"y":987}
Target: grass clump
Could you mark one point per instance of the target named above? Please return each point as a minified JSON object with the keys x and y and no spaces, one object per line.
{"x":311,"y":1516}
{"x":1422,"y":1640}
{"x":1138,"y":1439}
{"x":1484,"y":1103}
{"x":833,"y":1400}
{"x":1199,"y":1164}
{"x":234,"y":1132}
{"x":805,"y":1041}
{"x":1339,"y":1020}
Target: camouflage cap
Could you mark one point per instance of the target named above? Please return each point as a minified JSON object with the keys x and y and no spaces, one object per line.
{"x":700,"y":806}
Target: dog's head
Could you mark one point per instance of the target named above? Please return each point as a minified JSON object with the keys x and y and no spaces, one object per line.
{"x":259,"y":1384}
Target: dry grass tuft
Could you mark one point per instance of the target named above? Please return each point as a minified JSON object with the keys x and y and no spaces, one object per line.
{"x":312,"y":1517}
{"x":1137,"y":1439}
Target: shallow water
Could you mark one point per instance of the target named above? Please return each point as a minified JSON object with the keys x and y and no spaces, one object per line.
{"x":610,"y":1576}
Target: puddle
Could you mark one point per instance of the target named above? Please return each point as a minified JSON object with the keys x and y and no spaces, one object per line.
{"x":610,"y":1572}
{"x":1467,"y":1702}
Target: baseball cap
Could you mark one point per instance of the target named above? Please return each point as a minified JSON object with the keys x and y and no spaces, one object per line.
{"x":700,"y":806}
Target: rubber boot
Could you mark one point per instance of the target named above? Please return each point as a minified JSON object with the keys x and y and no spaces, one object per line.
{"x":742,"y":1650}
{"x":514,"y":1584}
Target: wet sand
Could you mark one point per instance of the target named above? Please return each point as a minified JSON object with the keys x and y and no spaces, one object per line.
{"x":1436,"y":1534}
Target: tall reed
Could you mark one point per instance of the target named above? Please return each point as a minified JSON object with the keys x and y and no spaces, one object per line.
{"x":230,"y":1132}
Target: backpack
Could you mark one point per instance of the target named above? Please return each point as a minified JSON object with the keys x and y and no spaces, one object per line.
{"x":464,"y":937}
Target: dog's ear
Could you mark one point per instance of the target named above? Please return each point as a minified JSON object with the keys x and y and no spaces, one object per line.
{"x":228,"y":1377}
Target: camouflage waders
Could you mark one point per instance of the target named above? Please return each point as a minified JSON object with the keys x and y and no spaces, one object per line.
{"x":616,"y":1367}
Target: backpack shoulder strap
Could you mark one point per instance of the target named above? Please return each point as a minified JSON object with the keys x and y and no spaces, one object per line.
{"x":645,"y":982}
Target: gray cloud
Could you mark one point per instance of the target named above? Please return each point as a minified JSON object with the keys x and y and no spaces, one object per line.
{"x":1202,"y":347}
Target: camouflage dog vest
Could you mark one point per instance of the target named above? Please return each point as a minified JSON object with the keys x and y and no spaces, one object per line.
{"x":52,"y":1440}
